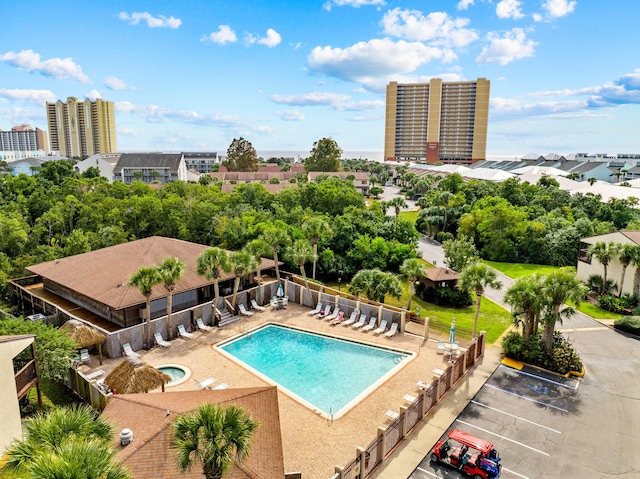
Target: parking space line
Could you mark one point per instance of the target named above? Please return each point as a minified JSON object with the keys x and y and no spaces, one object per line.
{"x":542,"y":378}
{"x":503,"y":437}
{"x":427,"y":472}
{"x":514,"y":473}
{"x":526,"y":398}
{"x":516,"y":417}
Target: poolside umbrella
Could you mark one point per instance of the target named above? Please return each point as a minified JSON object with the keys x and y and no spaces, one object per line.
{"x":83,"y":335}
{"x":133,"y":375}
{"x":280,"y":292}
{"x":452,"y":332}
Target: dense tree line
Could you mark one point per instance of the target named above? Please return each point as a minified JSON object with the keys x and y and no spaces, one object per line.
{"x":58,"y":213}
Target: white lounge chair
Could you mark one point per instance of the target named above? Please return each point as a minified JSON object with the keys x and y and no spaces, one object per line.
{"x":244,"y":311}
{"x":409,"y":398}
{"x":183,"y":332}
{"x":221,"y":386}
{"x":362,"y":322}
{"x":392,"y":331}
{"x":126,"y":347}
{"x":256,"y":306}
{"x":95,"y":375}
{"x":326,"y":311}
{"x":391,"y":414}
{"x":371,"y":325}
{"x":200,"y":325}
{"x":353,"y":318}
{"x":441,"y":347}
{"x":315,"y":311}
{"x":423,"y":385}
{"x":206,"y":384}
{"x":381,"y":329}
{"x":160,"y":341}
{"x":333,"y":315}
{"x":84,"y":355}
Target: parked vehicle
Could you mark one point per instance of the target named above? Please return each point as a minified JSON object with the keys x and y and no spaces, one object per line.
{"x":471,"y":455}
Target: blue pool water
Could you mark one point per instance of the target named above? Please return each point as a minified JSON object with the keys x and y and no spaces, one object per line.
{"x":175,"y":372}
{"x":328,"y":373}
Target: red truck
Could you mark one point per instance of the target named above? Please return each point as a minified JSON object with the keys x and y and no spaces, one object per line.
{"x":471,"y":455}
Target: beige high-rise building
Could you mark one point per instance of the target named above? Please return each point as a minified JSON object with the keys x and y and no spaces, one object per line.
{"x":82,"y":128}
{"x":437,"y":121}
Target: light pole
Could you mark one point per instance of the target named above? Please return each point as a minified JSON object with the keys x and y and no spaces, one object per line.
{"x":339,"y":290}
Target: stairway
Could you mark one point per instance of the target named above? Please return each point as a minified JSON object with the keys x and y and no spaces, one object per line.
{"x":226,"y":318}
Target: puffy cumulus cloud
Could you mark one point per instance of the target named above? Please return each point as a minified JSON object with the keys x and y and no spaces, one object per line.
{"x":38,"y":97}
{"x":272,"y":39}
{"x":437,"y":28}
{"x":290,"y":115}
{"x":368,"y":61}
{"x":18,"y":116}
{"x":509,"y":9}
{"x":115,"y":83}
{"x":514,"y":45}
{"x":464,"y":4}
{"x":352,"y":3}
{"x":152,"y":22}
{"x":309,"y":99}
{"x":555,"y":9}
{"x":361,"y":105}
{"x":59,"y":68}
{"x":223,"y":36}
{"x":93,"y":95}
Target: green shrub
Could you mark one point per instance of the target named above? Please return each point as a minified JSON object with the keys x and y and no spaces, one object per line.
{"x":443,"y":236}
{"x":445,"y":296}
{"x":562,"y":359}
{"x":615,"y":304}
{"x":628,"y":324}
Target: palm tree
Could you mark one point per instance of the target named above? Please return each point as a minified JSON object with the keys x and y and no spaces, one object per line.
{"x":626,"y":253}
{"x":276,"y":238}
{"x":211,"y":263}
{"x":314,"y":228}
{"x":258,"y":248}
{"x":242,"y":263}
{"x":300,"y":253}
{"x":145,"y":279}
{"x":412,"y":269}
{"x":526,"y":302}
{"x":444,"y":199}
{"x":65,"y":442}
{"x":559,"y":287}
{"x":397,"y":203}
{"x":171,"y":270}
{"x":603,"y":252}
{"x":214,"y":437}
{"x":375,"y":284}
{"x":477,"y":277}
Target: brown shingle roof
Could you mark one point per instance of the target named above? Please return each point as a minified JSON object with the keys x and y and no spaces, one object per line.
{"x":441,"y":274}
{"x":149,"y":416}
{"x":104,"y":274}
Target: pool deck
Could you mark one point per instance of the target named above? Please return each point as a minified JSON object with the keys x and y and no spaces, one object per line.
{"x":312,"y":444}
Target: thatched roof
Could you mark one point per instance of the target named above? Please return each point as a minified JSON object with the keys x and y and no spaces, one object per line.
{"x":83,"y":335}
{"x":133,"y":375}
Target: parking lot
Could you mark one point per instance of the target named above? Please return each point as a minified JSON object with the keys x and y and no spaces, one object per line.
{"x":525,"y":414}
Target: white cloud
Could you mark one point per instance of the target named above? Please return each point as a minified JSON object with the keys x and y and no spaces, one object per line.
{"x":38,"y":97}
{"x":464,"y":4}
{"x":503,"y":50}
{"x":93,"y":95}
{"x":58,"y":68}
{"x":559,"y":8}
{"x":114,"y":83}
{"x":352,"y":3}
{"x":223,"y":36}
{"x":509,"y":9}
{"x":365,"y":62}
{"x":272,"y":39}
{"x":438,"y":28}
{"x":309,"y":99}
{"x":19,"y":116}
{"x":152,"y":22}
{"x":361,"y":105}
{"x":290,"y":115}
{"x":128,"y":131}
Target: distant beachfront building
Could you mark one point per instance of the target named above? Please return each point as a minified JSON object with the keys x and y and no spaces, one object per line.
{"x":23,"y":138}
{"x":437,"y":121}
{"x":82,"y":128}
{"x":201,"y":161}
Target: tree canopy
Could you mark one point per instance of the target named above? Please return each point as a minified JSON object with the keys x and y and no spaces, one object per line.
{"x":325,"y":156}
{"x":241,"y":156}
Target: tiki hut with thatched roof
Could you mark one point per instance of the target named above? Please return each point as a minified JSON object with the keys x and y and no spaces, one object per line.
{"x":133,"y":375}
{"x":83,"y":335}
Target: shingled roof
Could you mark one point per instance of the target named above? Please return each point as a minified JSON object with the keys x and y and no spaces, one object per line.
{"x":150,"y":415}
{"x":148,"y":160}
{"x":104,"y":274}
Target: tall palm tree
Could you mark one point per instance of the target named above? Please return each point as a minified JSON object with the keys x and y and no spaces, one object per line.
{"x":276,"y":238}
{"x":477,"y":277}
{"x":65,"y":442}
{"x":214,"y":437}
{"x":397,"y":203}
{"x":375,"y":284}
{"x":171,"y":271}
{"x":258,"y":248}
{"x":559,"y":287}
{"x":603,"y":252}
{"x":145,"y":279}
{"x":444,"y":199}
{"x":626,"y":253}
{"x":412,"y":269}
{"x":314,"y":228}
{"x":211,"y":263}
{"x":242,"y":263}
{"x":300,"y":253}
{"x":525,"y":299}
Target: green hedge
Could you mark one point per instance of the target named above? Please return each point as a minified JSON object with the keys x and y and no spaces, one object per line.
{"x":628,"y":324}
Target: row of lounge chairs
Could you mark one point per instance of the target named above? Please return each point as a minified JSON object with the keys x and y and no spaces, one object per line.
{"x":160,"y":341}
{"x":356,"y":320}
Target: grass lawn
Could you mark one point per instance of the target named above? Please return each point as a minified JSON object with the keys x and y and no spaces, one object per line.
{"x":596,"y":312}
{"x":518,"y":270}
{"x":409,"y":215}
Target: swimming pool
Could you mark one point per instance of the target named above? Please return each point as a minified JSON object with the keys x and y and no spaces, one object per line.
{"x":328,"y":374}
{"x":178,"y":373}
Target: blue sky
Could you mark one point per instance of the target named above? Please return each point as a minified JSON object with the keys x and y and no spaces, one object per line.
{"x":565,"y":75}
